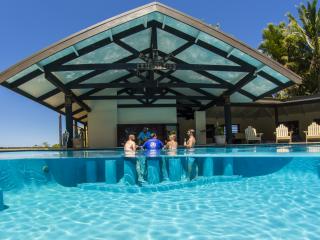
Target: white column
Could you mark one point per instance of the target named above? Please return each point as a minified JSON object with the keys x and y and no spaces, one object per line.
{"x":200,"y":119}
{"x":102,"y":124}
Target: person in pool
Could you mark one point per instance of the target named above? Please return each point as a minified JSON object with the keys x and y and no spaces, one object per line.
{"x":191,"y":161}
{"x":172,"y":143}
{"x":130,"y":145}
{"x":144,"y":135}
{"x":191,"y":139}
{"x":130,"y":148}
{"x":153,"y":143}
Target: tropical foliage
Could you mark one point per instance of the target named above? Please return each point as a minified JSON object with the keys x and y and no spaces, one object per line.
{"x":296,"y":45}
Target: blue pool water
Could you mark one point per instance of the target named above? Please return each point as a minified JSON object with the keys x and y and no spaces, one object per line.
{"x":272,"y":192}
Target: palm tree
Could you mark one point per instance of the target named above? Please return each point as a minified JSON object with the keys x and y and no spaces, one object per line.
{"x":309,"y":31}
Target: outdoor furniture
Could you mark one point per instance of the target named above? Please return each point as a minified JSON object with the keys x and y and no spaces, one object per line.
{"x":283,"y":134}
{"x":313,"y":132}
{"x":252,"y":135}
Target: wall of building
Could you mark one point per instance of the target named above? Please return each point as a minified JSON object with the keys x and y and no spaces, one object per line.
{"x":102,"y":124}
{"x":305,"y":119}
{"x":103,"y":120}
{"x":147,"y":115}
{"x":105,"y":116}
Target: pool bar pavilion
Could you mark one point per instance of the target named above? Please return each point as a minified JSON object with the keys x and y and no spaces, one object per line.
{"x":154,"y":65}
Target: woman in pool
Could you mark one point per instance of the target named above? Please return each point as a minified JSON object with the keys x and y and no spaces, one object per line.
{"x":172,"y":143}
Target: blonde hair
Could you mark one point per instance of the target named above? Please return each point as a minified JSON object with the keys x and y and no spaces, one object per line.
{"x":172,"y":137}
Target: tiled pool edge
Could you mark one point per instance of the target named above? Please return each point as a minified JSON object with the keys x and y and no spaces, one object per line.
{"x":165,"y":186}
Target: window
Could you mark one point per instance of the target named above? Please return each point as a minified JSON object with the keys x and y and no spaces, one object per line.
{"x":235,"y":128}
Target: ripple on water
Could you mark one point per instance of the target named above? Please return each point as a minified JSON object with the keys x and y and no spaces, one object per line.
{"x":268,"y":207}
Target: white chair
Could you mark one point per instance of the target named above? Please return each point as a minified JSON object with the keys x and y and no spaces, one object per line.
{"x":252,"y":135}
{"x":313,"y":132}
{"x":282,"y":134}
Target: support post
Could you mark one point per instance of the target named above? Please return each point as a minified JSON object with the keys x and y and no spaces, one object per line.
{"x":76,"y":133}
{"x":276,"y":116}
{"x":60,"y":130}
{"x":227,"y":119}
{"x":85,"y":144}
{"x":69,"y":121}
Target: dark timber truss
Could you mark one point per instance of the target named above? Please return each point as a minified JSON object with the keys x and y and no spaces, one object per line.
{"x":149,"y":89}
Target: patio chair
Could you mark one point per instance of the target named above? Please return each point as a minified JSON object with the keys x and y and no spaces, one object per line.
{"x":313,"y":132}
{"x":252,"y":135}
{"x":283,"y":134}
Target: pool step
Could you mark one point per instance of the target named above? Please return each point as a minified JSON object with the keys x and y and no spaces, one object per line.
{"x":164,"y":186}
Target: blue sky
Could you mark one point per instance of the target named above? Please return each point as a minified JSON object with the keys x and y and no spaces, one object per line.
{"x":28,"y":26}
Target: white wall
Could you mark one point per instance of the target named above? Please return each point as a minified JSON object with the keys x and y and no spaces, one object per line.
{"x":102,"y":124}
{"x":200,"y":120}
{"x":147,"y":115}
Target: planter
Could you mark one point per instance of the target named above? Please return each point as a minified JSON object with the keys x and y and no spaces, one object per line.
{"x":220,"y":139}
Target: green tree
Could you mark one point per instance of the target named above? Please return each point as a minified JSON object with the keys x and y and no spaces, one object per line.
{"x":308,"y":31}
{"x":297,"y":47}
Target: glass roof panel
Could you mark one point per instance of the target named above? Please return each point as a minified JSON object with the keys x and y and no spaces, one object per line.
{"x":137,"y":60}
{"x":168,"y":42}
{"x":107,"y":92}
{"x":239,"y":98}
{"x":165,"y":101}
{"x":56,"y":56}
{"x":107,"y":76}
{"x":191,"y":77}
{"x":259,"y":86}
{"x":37,"y":86}
{"x":198,"y":55}
{"x":81,"y":91}
{"x":55,"y":100}
{"x":230,"y":77}
{"x":22,"y":73}
{"x":139,"y":41}
{"x":134,"y":79}
{"x":214,"y":91}
{"x":127,"y":25}
{"x":128,"y":101}
{"x":214,"y":41}
{"x":79,"y":115}
{"x":245,"y":57}
{"x":91,"y":40}
{"x":187,"y":91}
{"x":205,"y":102}
{"x":107,"y":54}
{"x":275,"y":74}
{"x":156,"y":16}
{"x":181,"y":26}
{"x":68,"y":76}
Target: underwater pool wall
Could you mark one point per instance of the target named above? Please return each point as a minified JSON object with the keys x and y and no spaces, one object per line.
{"x":68,"y":172}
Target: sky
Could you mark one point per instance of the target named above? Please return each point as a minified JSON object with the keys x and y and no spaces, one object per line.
{"x":28,"y":26}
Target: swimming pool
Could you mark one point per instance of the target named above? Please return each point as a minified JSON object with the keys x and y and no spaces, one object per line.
{"x":248,"y":192}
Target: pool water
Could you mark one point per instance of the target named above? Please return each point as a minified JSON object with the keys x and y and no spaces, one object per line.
{"x":276,"y":197}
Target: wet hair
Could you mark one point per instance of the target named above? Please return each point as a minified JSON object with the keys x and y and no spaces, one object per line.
{"x":172,"y":137}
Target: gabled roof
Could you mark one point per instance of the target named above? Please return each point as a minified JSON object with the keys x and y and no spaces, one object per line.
{"x":199,"y":65}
